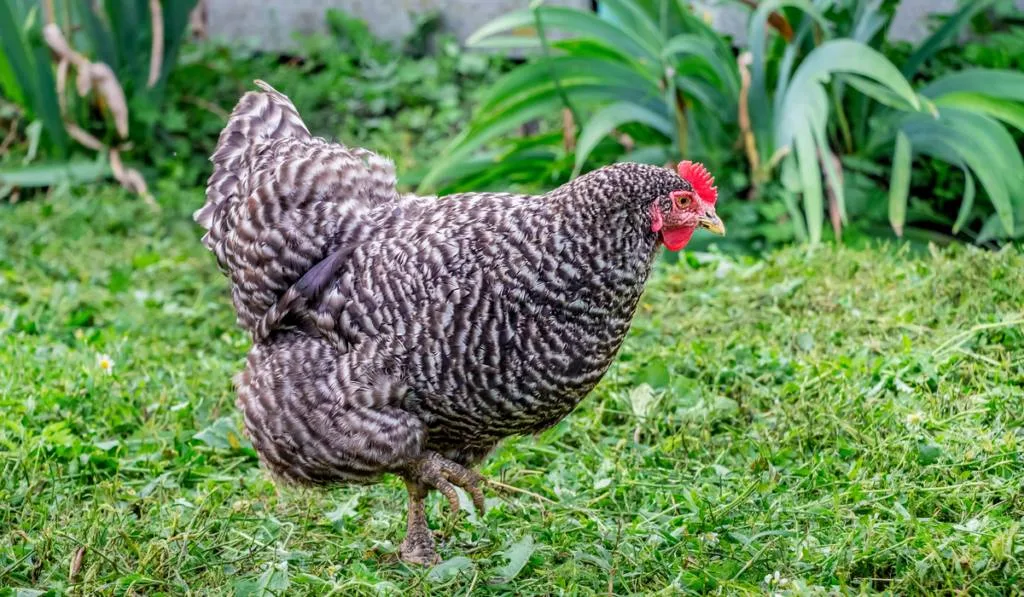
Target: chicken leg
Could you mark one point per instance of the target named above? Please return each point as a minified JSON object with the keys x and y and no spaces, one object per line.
{"x":434,"y":472}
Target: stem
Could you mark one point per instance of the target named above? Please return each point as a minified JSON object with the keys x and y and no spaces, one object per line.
{"x":777,"y":20}
{"x":844,"y":124}
{"x":677,"y":104}
{"x":546,"y":52}
{"x":156,"y":53}
{"x":681,"y":123}
{"x":746,"y":130}
{"x":663,"y":13}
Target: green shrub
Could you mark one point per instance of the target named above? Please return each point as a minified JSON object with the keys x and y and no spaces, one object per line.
{"x":105,"y":87}
{"x":823,"y":114}
{"x":654,"y":70}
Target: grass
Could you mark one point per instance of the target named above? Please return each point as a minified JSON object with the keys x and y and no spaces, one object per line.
{"x":851,"y":420}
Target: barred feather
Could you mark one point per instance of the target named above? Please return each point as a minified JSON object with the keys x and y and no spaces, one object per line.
{"x":385,"y":326}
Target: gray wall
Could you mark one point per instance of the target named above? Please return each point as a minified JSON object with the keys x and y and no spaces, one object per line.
{"x":274,"y":23}
{"x":270,"y":24}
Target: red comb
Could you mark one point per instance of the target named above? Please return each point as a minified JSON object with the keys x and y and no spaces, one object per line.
{"x":700,"y":179}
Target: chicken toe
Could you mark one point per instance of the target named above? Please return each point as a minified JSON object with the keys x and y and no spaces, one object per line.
{"x":444,"y":475}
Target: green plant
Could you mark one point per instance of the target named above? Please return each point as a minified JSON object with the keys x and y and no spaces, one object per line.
{"x":650,"y":68}
{"x":396,"y":99}
{"x":26,"y":71}
{"x":135,"y":44}
{"x":955,"y":119}
{"x":790,"y":125}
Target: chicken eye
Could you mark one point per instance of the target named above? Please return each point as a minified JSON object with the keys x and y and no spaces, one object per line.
{"x":681,"y":199}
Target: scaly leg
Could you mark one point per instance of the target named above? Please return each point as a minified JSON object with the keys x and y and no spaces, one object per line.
{"x":434,"y":471}
{"x":418,"y":546}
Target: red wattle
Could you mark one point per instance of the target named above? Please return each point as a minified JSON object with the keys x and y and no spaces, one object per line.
{"x":676,"y":238}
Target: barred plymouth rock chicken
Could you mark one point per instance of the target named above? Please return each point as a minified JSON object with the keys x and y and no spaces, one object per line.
{"x":409,"y":335}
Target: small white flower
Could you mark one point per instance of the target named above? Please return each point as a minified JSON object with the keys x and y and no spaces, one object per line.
{"x":105,"y":363}
{"x":915,"y":418}
{"x":776,"y":579}
{"x":709,"y":538}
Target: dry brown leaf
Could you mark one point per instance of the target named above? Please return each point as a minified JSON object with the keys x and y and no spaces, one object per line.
{"x":110,"y":90}
{"x":156,"y":53}
{"x":746,"y":131}
{"x":197,"y":20}
{"x":55,"y":39}
{"x":129,"y":178}
{"x":62,"y":83}
{"x":101,"y":78}
{"x":568,"y":130}
{"x":82,"y":136}
{"x":76,"y":564}
{"x":116,"y":166}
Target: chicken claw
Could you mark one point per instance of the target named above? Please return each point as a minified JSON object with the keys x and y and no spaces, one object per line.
{"x":444,"y":475}
{"x":437,"y":472}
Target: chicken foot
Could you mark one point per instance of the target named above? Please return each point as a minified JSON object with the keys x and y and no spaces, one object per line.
{"x":434,"y":472}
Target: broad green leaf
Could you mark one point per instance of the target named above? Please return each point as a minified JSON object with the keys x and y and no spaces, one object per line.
{"x":785,"y":71}
{"x":9,"y":84}
{"x":831,"y":170}
{"x":568,"y":20}
{"x":757,"y":36}
{"x":1009,"y":112}
{"x":841,"y":55}
{"x":650,"y":154}
{"x":868,"y":21}
{"x":877,"y":92}
{"x":508,"y":42}
{"x":706,"y":94}
{"x":789,"y":176}
{"x":518,"y":554}
{"x":993,"y":229}
{"x":1003,"y":84}
{"x":981,"y":143}
{"x":698,"y":47}
{"x":899,"y":183}
{"x":176,"y":18}
{"x":99,"y":36}
{"x":484,"y":129}
{"x":611,"y":117}
{"x":937,"y":40}
{"x":224,"y":434}
{"x":967,"y":202}
{"x":47,"y":105}
{"x":803,"y":115}
{"x":810,"y":182}
{"x":633,"y":18}
{"x":48,"y":174}
{"x":29,"y":60}
{"x":448,"y":569}
{"x":586,"y":47}
{"x":17,"y":58}
{"x":568,"y":71}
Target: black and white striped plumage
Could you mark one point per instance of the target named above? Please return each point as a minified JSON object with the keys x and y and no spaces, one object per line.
{"x":409,"y":335}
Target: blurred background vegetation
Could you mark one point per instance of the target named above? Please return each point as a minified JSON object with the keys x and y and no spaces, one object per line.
{"x":818,"y":129}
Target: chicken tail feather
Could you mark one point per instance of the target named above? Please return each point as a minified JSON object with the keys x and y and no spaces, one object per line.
{"x":259,"y":116}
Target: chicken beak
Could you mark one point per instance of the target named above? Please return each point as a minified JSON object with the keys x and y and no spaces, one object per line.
{"x":710,"y":222}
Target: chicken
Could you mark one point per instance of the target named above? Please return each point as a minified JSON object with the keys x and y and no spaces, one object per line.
{"x":409,"y":335}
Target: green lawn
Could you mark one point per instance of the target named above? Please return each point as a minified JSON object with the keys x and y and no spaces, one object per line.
{"x":850,"y":420}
